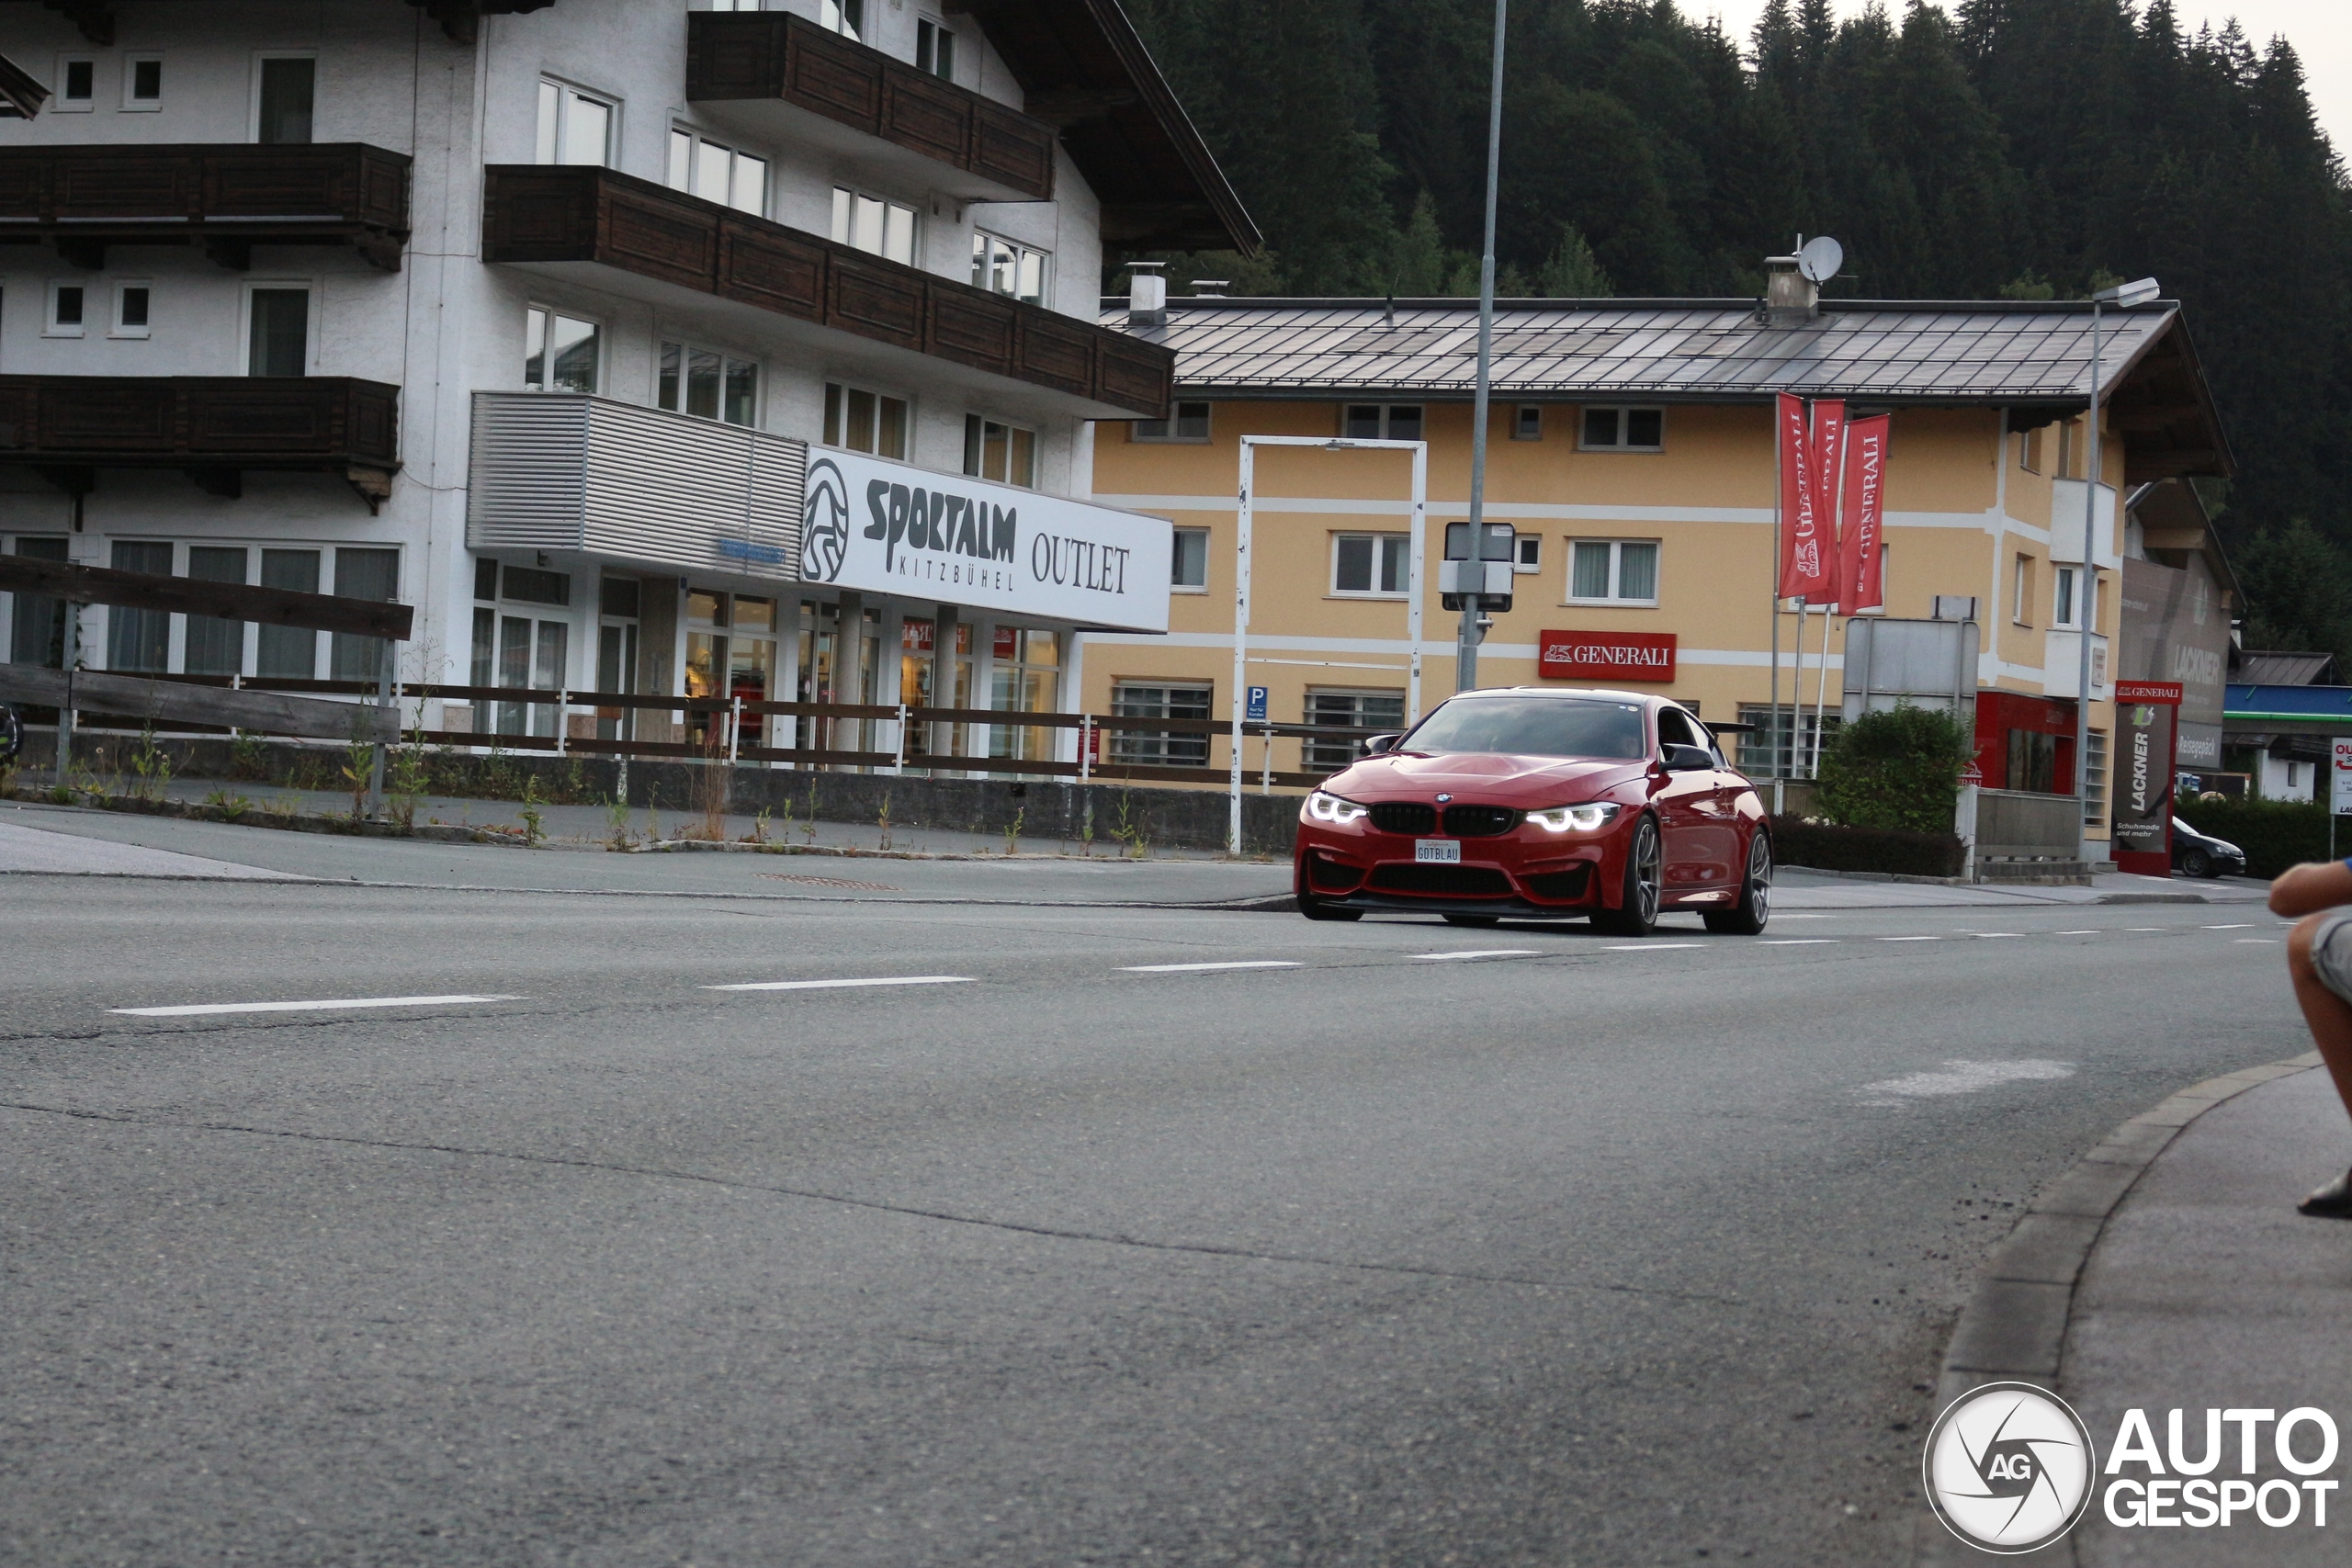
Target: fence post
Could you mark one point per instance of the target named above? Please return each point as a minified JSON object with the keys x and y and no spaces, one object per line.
{"x":734,"y":727}
{"x":65,"y":714}
{"x":898,"y":760}
{"x":562,"y":720}
{"x":384,"y":657}
{"x":1085,"y":747}
{"x":1266,"y":784}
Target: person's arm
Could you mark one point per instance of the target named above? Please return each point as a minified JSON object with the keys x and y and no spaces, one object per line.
{"x":2309,"y":888}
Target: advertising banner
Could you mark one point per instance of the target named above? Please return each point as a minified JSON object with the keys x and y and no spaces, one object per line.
{"x":1828,"y":448}
{"x":2143,"y":787}
{"x":1805,"y":546}
{"x":892,"y":528}
{"x":1611,"y":656}
{"x":2176,"y":629}
{"x":2340,"y":800}
{"x":1862,"y":575}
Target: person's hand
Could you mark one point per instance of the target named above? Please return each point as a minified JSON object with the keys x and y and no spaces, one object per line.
{"x":2306,"y":889}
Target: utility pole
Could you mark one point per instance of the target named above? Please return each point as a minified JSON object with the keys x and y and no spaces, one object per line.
{"x":1465,"y":664}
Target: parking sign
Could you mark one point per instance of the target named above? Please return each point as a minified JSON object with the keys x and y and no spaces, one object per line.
{"x":1256,"y":711}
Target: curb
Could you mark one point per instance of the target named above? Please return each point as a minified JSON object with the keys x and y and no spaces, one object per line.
{"x":2013,"y":1326}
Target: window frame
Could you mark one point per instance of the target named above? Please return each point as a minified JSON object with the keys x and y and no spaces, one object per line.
{"x":556,"y":137}
{"x":977,"y":427}
{"x":1158,"y":744}
{"x":88,"y":103}
{"x":698,"y":146}
{"x":662,"y":344}
{"x":829,"y":434}
{"x":555,"y":313}
{"x":2021,"y":595}
{"x":1526,"y":562}
{"x":930,"y":58}
{"x":846,"y":17}
{"x":309,"y":287}
{"x":1383,"y":543}
{"x":130,"y":64}
{"x":1625,"y":412}
{"x":1520,"y":420}
{"x":53,"y":325}
{"x":1615,"y":598}
{"x":1172,"y":427}
{"x":1387,"y":422}
{"x":253,"y":114}
{"x":1176,"y":584}
{"x":984,"y":266}
{"x":116,"y":326}
{"x":844,"y":223}
{"x":1310,"y":755}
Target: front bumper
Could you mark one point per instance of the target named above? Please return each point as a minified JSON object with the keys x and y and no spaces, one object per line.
{"x":1506,"y":875}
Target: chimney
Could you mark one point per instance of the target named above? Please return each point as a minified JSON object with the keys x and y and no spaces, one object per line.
{"x":1791,"y":298}
{"x":1147,"y":294}
{"x":1209,"y":287}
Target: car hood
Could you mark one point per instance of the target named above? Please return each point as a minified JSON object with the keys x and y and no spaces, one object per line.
{"x":1482,"y":776}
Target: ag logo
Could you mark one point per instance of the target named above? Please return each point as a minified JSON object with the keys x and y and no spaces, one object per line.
{"x":2008,"y":1468}
{"x":824,"y":522}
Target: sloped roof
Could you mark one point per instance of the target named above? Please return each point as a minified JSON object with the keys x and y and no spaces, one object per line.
{"x":2033,"y":358}
{"x":2256,"y":667}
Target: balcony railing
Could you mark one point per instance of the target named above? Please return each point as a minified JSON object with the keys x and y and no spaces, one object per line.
{"x":747,"y":61}
{"x":548,"y":214}
{"x":227,"y":198}
{"x":213,"y":427}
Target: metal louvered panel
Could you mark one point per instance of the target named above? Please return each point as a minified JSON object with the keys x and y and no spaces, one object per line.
{"x":563,"y":472}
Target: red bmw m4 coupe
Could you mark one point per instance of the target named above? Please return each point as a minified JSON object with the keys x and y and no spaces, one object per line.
{"x":1540,"y":804}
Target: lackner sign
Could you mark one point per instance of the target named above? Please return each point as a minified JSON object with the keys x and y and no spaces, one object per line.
{"x":1611,"y":656}
{"x":891,"y":528}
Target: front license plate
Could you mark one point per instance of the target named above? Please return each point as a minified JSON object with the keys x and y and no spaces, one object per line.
{"x":1443,"y":851}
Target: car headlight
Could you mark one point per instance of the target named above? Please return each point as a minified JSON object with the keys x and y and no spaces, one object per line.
{"x":1325,"y":807}
{"x":1575,"y":818}
{"x":2224,"y":847}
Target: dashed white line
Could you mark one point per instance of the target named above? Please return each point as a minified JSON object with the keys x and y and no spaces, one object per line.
{"x":845,"y":985}
{"x":1481,"y":953}
{"x":2158,"y":928}
{"x":1191,"y":968}
{"x":2258,"y":940}
{"x":1906,"y":939}
{"x":345,"y":1003}
{"x":1650,"y":946}
{"x":2241,"y":926}
{"x":1989,"y":934}
{"x":2074,"y":933}
{"x":1796,"y":941}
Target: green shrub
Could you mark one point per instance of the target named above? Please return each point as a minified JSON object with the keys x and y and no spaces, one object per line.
{"x":1898,"y":768}
{"x":1899,"y":852}
{"x":2275,"y":834}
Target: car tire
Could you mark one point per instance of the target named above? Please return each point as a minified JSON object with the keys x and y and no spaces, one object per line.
{"x":1748,"y":916}
{"x":1637,"y":914}
{"x":1472,"y":919}
{"x":2196,"y":862}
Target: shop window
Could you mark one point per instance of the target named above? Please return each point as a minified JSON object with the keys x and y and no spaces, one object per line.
{"x":1008,"y":268}
{"x":874,"y":224}
{"x":1352,"y":710}
{"x":918,"y":671}
{"x":140,"y":641}
{"x":283,"y":100}
{"x":861,"y":421}
{"x":1025,"y":678}
{"x":574,"y":127}
{"x":1191,"y":423}
{"x":708,"y":384}
{"x":727,"y":176}
{"x":731,"y":653}
{"x":536,"y":585}
{"x":1383,"y":422}
{"x":289,"y":653}
{"x":1002,"y":452}
{"x":560,"y":353}
{"x":2032,"y":762}
{"x":1371,"y":565}
{"x":1158,"y":747}
{"x":617,"y":605}
{"x":1613,"y":571}
{"x":1624,"y":430}
{"x":1189,"y":573}
{"x":934,"y":48}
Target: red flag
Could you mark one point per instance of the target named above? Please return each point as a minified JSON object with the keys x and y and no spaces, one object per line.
{"x":1865,"y":565}
{"x":1805,"y":549}
{"x":1828,"y":455}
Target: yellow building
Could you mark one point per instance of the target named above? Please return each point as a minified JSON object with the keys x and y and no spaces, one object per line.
{"x":1631,"y":448}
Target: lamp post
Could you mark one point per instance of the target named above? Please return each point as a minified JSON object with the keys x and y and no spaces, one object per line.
{"x":1466,"y":662}
{"x":2123,"y":297}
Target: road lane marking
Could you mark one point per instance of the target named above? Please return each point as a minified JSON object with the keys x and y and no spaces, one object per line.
{"x":1989,"y":934}
{"x":2241,"y":926}
{"x":2258,"y":940}
{"x":842,"y":984}
{"x":207,"y":1008}
{"x":1482,"y":953}
{"x":2158,"y":928}
{"x":1906,"y":939}
{"x":1191,"y":968}
{"x":1652,"y":946}
{"x":1961,"y":1077}
{"x":2074,"y":933}
{"x":1796,"y":940}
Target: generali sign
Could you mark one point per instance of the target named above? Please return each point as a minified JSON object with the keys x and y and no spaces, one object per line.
{"x":1615,"y":655}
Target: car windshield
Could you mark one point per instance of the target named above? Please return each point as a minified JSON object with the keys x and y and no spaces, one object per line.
{"x":1533,"y":727}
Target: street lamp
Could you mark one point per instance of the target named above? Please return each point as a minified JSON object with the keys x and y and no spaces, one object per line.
{"x":2123,"y":297}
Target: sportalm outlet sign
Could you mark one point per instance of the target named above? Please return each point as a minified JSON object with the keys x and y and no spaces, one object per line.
{"x":891,"y":528}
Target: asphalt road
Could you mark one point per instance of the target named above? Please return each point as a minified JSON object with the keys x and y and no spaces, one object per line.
{"x":1593,"y":1252}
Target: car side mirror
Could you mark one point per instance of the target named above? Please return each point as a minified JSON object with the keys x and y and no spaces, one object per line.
{"x":1689,"y":760}
{"x":1374,"y":745}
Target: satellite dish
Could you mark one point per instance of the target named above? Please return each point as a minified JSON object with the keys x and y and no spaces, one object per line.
{"x":1821,"y":258}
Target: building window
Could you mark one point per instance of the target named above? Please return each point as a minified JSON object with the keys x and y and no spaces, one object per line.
{"x":866,"y":422}
{"x":2029,"y":451}
{"x":1025,"y":678}
{"x":1371,"y":565}
{"x":37,"y":628}
{"x":143,"y":82}
{"x":67,"y":302}
{"x":140,"y":641}
{"x":278,"y":337}
{"x":1528,"y":422}
{"x":560,"y":352}
{"x":363,"y":575}
{"x":1189,"y":573}
{"x":1007,"y":267}
{"x":1383,"y":422}
{"x":845,"y":16}
{"x":1767,"y":753}
{"x":1613,"y":571}
{"x":2021,"y":594}
{"x":130,"y":302}
{"x":708,"y":384}
{"x":215,"y":646}
{"x":1350,"y":710}
{"x":874,"y":224}
{"x":724,"y":175}
{"x":1527,"y":554}
{"x":288,"y":652}
{"x":2069,"y":449}
{"x":2062,"y":608}
{"x":1191,"y":423}
{"x":283,"y":102}
{"x":1001,"y":452}
{"x":935,"y":49}
{"x":1624,"y":430}
{"x":1158,"y":747}
{"x":574,"y":128}
{"x":77,"y":84}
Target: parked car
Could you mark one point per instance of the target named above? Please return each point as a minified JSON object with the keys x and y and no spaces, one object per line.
{"x":2201,"y":854}
{"x":1540,"y":804}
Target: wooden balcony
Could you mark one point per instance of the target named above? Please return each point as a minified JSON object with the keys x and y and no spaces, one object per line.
{"x":785,"y":77}
{"x":227,"y":198}
{"x":589,"y":222}
{"x":213,"y":428}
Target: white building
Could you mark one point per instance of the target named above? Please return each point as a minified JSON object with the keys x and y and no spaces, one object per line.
{"x":539,"y":314}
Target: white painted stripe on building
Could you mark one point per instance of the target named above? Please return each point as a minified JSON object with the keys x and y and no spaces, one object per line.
{"x":342,"y":1004}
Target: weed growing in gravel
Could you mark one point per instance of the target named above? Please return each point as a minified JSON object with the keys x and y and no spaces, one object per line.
{"x":534,"y":819}
{"x":228,"y":807}
{"x":1013,"y":829}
